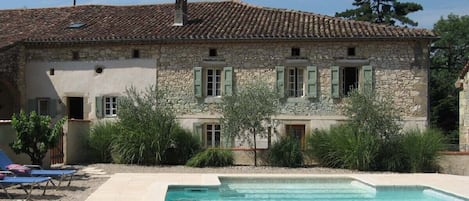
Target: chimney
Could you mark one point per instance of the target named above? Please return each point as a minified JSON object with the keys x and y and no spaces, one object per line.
{"x":180,"y":15}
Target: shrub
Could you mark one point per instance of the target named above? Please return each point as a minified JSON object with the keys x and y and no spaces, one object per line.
{"x":344,"y":147}
{"x":100,"y":139}
{"x":422,"y":149}
{"x":146,"y":122}
{"x":183,"y":147}
{"x":35,"y":135}
{"x":212,"y":158}
{"x":286,"y":153}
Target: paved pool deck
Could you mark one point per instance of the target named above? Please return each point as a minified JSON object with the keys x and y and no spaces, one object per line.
{"x":153,"y":186}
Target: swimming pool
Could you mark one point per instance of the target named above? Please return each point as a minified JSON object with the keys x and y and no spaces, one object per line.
{"x":303,"y":189}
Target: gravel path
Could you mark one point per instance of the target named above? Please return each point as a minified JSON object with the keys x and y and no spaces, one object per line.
{"x":90,"y":177}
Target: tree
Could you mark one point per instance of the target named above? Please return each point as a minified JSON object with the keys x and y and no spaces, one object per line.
{"x":382,"y":11}
{"x":449,"y":55}
{"x":145,"y":122}
{"x":34,"y":135}
{"x":247,"y":114}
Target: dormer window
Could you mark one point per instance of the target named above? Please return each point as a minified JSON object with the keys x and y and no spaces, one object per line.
{"x":295,"y":52}
{"x":212,"y":52}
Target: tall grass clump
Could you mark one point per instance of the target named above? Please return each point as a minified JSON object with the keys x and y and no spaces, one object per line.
{"x":343,"y":147}
{"x":212,"y":158}
{"x":286,"y":153}
{"x":146,"y":122}
{"x":184,"y":146}
{"x":100,"y":139}
{"x":422,"y":149}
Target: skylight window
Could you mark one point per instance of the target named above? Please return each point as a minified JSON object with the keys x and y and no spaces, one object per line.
{"x":76,"y":25}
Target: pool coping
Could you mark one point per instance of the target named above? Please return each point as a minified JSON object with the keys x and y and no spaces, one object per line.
{"x":153,"y":186}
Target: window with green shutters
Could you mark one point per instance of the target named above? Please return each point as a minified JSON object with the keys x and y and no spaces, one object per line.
{"x":43,"y":106}
{"x":213,"y":82}
{"x":346,"y":79}
{"x":106,"y":106}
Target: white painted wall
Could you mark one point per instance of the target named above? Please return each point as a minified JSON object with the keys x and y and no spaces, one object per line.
{"x":79,"y":79}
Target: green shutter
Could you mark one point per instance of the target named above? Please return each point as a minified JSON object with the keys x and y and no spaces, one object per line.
{"x":367,"y":84}
{"x":312,"y":86}
{"x":280,"y":77}
{"x":335,"y":82}
{"x":197,"y":130}
{"x":32,"y":105}
{"x":99,"y":107}
{"x":53,"y":107}
{"x":198,"y":82}
{"x":228,"y":81}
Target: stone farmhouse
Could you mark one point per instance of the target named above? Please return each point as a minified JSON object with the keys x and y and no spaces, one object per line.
{"x":77,"y":61}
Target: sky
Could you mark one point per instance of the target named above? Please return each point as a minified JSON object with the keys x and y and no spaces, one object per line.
{"x":433,"y":10}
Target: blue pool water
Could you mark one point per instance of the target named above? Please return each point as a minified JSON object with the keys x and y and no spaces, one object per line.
{"x":303,"y":189}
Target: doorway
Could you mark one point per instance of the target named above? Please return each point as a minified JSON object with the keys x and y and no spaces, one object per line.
{"x":75,"y":107}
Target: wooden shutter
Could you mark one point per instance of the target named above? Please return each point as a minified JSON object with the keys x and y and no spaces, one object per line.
{"x":367,"y":73}
{"x":228,"y":81}
{"x":312,"y":85}
{"x":99,"y":107}
{"x":280,"y":78}
{"x":198,"y":87}
{"x":197,"y":130}
{"x":335,"y":82}
{"x":53,"y":107}
{"x":32,"y":105}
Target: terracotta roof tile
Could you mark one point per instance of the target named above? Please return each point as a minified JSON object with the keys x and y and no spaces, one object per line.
{"x":207,"y":20}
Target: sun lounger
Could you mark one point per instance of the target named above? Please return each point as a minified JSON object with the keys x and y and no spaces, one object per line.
{"x":23,"y":182}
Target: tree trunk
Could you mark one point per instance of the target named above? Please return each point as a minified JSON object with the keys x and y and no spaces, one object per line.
{"x":255,"y":149}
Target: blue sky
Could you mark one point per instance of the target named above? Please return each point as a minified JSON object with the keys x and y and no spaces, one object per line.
{"x":433,"y":9}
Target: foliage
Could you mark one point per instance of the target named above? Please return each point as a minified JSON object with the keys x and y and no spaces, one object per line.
{"x":34,"y":135}
{"x":449,"y":55}
{"x":422,"y":149}
{"x":344,"y":147}
{"x":247,"y":114}
{"x":100,"y":140}
{"x":212,"y":158}
{"x":373,"y":114}
{"x":286,"y":153}
{"x":183,"y":147}
{"x":382,"y":11}
{"x":146,"y":122}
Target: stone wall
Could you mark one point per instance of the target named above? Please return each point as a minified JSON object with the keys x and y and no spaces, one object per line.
{"x":400,"y":69}
{"x":464,"y":114}
{"x":11,"y":82}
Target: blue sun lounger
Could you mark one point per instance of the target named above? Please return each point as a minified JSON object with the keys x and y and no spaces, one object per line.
{"x":23,"y":181}
{"x":58,"y":174}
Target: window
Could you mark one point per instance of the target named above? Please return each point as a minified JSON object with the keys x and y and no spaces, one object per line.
{"x":212,"y":52}
{"x":295,"y":52}
{"x":75,"y":55}
{"x":110,"y":106}
{"x":351,"y":51}
{"x":295,"y":82}
{"x":136,"y":54}
{"x":346,"y":79}
{"x":213,"y":82}
{"x":298,"y":132}
{"x":349,"y":80}
{"x":212,"y":135}
{"x":43,"y":106}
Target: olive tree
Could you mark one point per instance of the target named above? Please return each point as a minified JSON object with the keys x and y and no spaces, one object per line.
{"x":35,"y":135}
{"x":247,"y":113}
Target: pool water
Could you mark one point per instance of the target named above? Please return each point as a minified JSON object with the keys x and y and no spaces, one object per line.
{"x":302,"y":189}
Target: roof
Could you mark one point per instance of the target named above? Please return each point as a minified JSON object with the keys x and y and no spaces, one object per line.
{"x":228,"y":20}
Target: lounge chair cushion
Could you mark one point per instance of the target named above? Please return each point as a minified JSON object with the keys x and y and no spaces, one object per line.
{"x":18,"y":169}
{"x":2,"y":176}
